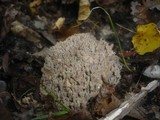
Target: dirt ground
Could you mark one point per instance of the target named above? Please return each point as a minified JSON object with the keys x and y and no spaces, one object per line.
{"x":27,"y":27}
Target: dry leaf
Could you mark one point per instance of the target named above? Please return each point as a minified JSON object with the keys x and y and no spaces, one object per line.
{"x":26,"y":32}
{"x":140,"y":13}
{"x":65,"y":32}
{"x":35,"y":3}
{"x":59,"y":23}
{"x":84,"y":10}
{"x":147,"y":38}
{"x":127,"y":54}
{"x":105,"y":101}
{"x":33,"y":6}
{"x":106,"y":105}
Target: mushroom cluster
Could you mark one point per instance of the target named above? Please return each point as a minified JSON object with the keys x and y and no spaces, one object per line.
{"x":73,"y":69}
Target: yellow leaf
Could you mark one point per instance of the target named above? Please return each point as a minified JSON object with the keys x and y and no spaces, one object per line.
{"x":59,"y":23}
{"x":84,"y":10}
{"x":147,"y":38}
{"x":34,"y":10}
{"x":35,"y":3}
{"x":33,"y":6}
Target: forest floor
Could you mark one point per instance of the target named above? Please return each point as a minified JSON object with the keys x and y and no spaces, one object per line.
{"x":44,"y":23}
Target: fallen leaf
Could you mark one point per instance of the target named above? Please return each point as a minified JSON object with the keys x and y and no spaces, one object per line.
{"x":59,"y":23}
{"x":140,"y":13}
{"x":127,"y":54}
{"x":34,"y":11}
{"x":84,"y":10}
{"x":147,"y":38}
{"x":26,"y":32}
{"x":33,"y":6}
{"x":105,"y":101}
{"x":67,"y":31}
{"x":35,"y":3}
{"x":106,"y":105}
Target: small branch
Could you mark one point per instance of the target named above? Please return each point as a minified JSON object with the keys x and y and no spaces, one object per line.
{"x":129,"y":104}
{"x":125,"y":28}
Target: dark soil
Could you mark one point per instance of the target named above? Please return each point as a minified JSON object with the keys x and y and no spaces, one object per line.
{"x":20,"y":71}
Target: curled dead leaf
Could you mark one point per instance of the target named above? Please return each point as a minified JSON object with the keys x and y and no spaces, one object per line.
{"x":105,"y":101}
{"x":65,"y":32}
{"x":33,"y":6}
{"x":58,"y":24}
{"x":84,"y":10}
{"x":35,"y":3}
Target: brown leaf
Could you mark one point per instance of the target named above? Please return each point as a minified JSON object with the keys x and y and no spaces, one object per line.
{"x":65,"y":32}
{"x":26,"y":32}
{"x":140,"y":13}
{"x":105,"y":101}
{"x":107,"y":105}
{"x":127,"y":54}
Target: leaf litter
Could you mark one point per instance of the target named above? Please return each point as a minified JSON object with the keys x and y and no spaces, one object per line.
{"x":22,"y":57}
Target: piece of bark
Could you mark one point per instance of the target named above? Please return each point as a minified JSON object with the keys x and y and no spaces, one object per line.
{"x":129,"y":104}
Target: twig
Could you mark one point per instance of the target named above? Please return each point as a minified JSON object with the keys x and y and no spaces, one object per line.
{"x":128,"y":105}
{"x":125,"y":28}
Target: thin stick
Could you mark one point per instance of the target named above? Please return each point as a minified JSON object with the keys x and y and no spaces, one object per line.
{"x":131,"y":103}
{"x":125,"y":28}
